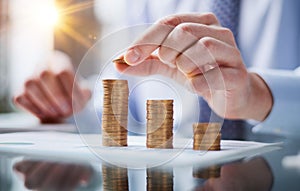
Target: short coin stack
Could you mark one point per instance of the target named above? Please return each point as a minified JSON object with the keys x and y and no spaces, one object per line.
{"x":114,"y":178}
{"x":207,"y":136}
{"x":159,"y":179}
{"x":159,"y":124}
{"x":114,"y":114}
{"x":210,"y":172}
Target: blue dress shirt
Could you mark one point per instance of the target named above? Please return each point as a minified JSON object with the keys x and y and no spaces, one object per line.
{"x":270,"y":45}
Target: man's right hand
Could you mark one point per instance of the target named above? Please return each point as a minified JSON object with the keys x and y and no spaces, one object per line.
{"x":49,"y":94}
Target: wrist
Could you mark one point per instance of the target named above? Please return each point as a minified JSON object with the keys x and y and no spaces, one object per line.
{"x":260,"y":99}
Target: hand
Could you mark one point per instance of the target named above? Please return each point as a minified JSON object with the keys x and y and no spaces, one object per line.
{"x":242,"y":176}
{"x":194,"y":49}
{"x":48,"y":94}
{"x":53,"y":176}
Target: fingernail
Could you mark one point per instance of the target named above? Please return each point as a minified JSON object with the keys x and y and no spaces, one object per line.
{"x":132,"y":56}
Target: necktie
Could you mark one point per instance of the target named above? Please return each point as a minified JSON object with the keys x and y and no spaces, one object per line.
{"x":227,"y":12}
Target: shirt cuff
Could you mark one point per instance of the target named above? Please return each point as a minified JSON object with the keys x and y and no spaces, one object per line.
{"x":284,"y":117}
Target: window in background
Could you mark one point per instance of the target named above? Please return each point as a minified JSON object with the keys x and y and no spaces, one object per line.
{"x":31,"y":38}
{"x":77,"y":30}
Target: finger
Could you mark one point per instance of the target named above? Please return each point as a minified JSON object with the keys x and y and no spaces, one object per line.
{"x":54,"y":90}
{"x":36,"y":177}
{"x":72,"y":178}
{"x":24,"y":166}
{"x":61,"y":66}
{"x":76,"y":95}
{"x":206,"y":54}
{"x":66,"y":80}
{"x":25,"y":102}
{"x":208,"y":81}
{"x":35,"y":93}
{"x":152,"y":65}
{"x":153,"y":38}
{"x":76,"y":175}
{"x":186,"y":34}
{"x":56,"y":177}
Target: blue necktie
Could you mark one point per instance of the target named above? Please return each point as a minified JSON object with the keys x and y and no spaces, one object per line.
{"x":227,"y":12}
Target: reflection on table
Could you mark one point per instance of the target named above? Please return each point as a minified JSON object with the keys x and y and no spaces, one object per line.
{"x":47,"y":175}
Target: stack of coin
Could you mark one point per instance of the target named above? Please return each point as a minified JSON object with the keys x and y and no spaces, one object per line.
{"x":159,"y":179}
{"x":207,"y":136}
{"x":114,"y":178}
{"x":115,"y":112}
{"x":159,"y":124}
{"x":210,"y":172}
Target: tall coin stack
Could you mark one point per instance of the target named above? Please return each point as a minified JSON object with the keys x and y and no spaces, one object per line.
{"x":115,"y":111}
{"x":207,"y":136}
{"x":159,"y":124}
{"x":114,"y":178}
{"x":159,"y":179}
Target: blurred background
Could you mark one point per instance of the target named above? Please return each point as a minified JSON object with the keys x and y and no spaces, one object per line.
{"x":31,"y":29}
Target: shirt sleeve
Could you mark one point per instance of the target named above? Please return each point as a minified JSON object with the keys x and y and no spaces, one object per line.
{"x":285,"y":114}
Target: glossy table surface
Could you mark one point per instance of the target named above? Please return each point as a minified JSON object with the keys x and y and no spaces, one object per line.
{"x":262,"y":172}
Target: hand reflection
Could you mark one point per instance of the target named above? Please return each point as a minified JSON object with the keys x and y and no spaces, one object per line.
{"x":251,"y":175}
{"x":53,"y":176}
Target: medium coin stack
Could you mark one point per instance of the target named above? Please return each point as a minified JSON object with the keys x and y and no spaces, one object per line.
{"x":159,"y":180}
{"x":210,"y":172}
{"x":207,"y":136}
{"x":159,"y":124}
{"x":115,"y":111}
{"x":114,"y":178}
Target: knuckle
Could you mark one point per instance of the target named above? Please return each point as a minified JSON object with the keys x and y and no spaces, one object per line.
{"x":237,"y":53}
{"x":185,"y":28}
{"x":226,"y":32}
{"x":45,"y":74}
{"x":29,"y":83}
{"x":18,"y":99}
{"x":64,"y":74}
{"x":210,"y":17}
{"x":207,"y":42}
{"x":171,"y":20}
